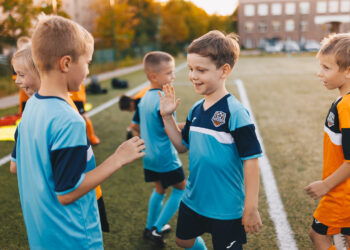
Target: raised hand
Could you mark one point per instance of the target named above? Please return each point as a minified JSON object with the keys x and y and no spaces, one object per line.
{"x":168,"y":104}
{"x":130,"y":150}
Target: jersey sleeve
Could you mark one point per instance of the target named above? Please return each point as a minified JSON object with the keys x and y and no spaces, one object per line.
{"x":69,"y":157}
{"x":344,"y":126}
{"x":243,"y":132}
{"x":13,"y":154}
{"x":136,"y":118}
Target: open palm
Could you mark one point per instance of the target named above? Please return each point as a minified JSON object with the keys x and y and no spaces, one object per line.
{"x":168,"y":104}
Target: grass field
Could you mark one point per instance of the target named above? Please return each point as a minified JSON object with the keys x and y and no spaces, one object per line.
{"x":290,"y":106}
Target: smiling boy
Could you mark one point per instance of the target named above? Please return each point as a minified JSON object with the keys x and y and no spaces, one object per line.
{"x":332,"y":215}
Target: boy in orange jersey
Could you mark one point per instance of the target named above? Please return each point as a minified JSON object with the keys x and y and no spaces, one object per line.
{"x":79,"y":99}
{"x":332,"y":215}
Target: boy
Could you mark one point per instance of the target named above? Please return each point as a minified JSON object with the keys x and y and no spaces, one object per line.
{"x":161,"y":164}
{"x":332,"y":215}
{"x":55,"y":165}
{"x":221,"y":195}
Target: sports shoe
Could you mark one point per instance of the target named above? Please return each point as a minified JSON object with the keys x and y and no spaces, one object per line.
{"x":165,"y":229}
{"x":153,"y":235}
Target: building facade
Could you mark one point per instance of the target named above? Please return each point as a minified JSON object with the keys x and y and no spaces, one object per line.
{"x":297,"y":20}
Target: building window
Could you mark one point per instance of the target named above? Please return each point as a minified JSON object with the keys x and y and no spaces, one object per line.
{"x":276,"y":25}
{"x":249,"y":27}
{"x":276,"y":9}
{"x":303,"y":26}
{"x":263,"y":10}
{"x":290,"y":8}
{"x":304,"y":8}
{"x":345,"y":6}
{"x":249,"y":10}
{"x":290,"y":25}
{"x":333,"y":6}
{"x":321,"y":7}
{"x":262,"y":27}
{"x":248,"y":43}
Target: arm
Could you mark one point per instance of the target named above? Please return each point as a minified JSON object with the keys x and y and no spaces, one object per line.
{"x":251,"y":217}
{"x":13,"y":167}
{"x":168,"y":105}
{"x":125,"y":153}
{"x":317,"y":189}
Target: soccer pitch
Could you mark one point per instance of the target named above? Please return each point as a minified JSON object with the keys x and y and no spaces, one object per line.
{"x":289,"y":105}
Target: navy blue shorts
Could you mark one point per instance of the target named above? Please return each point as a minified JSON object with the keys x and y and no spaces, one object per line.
{"x":226,"y":234}
{"x":167,"y":178}
{"x":322,"y":229}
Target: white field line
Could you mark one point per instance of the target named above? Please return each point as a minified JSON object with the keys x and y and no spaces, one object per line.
{"x":285,"y":235}
{"x":106,"y":105}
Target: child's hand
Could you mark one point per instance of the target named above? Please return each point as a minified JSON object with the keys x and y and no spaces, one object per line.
{"x":317,"y":189}
{"x":251,"y":220}
{"x":130,"y":150}
{"x":168,"y":104}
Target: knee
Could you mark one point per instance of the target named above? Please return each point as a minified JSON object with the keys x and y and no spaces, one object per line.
{"x":184,"y":243}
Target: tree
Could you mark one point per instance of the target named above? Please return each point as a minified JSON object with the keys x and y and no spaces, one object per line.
{"x":114,"y":25}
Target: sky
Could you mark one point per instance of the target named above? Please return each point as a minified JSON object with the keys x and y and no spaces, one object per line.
{"x":221,"y":7}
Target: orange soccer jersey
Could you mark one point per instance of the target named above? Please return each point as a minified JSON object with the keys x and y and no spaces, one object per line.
{"x":333,"y":209}
{"x":80,"y":95}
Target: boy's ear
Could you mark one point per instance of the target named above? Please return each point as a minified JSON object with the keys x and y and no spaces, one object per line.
{"x":226,"y":70}
{"x":152,"y":76}
{"x":65,"y":63}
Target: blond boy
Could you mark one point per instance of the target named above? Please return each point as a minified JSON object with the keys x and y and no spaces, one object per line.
{"x":332,"y":215}
{"x":221,"y":195}
{"x":55,"y":165}
{"x":161,"y":163}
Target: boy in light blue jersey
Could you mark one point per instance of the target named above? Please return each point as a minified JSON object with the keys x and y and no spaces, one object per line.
{"x":221,"y":195}
{"x":55,"y":164}
{"x":161,"y":163}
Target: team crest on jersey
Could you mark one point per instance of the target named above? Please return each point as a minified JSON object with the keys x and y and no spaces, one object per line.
{"x":330,"y":119}
{"x":218,"y":118}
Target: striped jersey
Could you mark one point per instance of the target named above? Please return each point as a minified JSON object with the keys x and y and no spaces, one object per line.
{"x":219,"y":140}
{"x":333,"y":209}
{"x":52,"y":156}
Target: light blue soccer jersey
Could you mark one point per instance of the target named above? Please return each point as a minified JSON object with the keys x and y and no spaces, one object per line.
{"x":161,"y":156}
{"x":52,"y":156}
{"x":219,"y":140}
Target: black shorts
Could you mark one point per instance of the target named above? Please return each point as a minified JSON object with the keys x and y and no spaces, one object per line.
{"x":167,"y":178}
{"x":80,"y":106}
{"x":103,"y":215}
{"x":320,"y":228}
{"x":226,"y":234}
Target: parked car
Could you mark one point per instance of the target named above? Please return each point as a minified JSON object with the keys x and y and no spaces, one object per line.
{"x":273,"y":46}
{"x":291,"y":46}
{"x":311,"y":45}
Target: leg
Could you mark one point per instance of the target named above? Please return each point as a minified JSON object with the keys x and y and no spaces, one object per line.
{"x":155,"y":204}
{"x":321,"y":242}
{"x":347,"y":237}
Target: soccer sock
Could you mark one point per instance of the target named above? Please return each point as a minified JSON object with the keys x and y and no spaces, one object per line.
{"x":154,"y":207}
{"x":169,"y":209}
{"x":198,"y":245}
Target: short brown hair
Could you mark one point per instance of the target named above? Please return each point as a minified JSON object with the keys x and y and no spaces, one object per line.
{"x":25,"y":56}
{"x":152,"y":60}
{"x":339,"y":46}
{"x":55,"y":37}
{"x":220,"y":48}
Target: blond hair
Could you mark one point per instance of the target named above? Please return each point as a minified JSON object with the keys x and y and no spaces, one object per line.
{"x":55,"y":37}
{"x":24,"y":56}
{"x":22,"y":41}
{"x":220,"y":48}
{"x":152,"y":60}
{"x":339,"y":46}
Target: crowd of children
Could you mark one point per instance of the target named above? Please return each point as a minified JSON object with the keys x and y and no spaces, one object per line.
{"x":59,"y":183}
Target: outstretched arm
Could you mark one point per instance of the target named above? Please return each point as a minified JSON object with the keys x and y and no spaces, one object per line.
{"x":251,"y":217}
{"x":168,"y":105}
{"x":317,"y":189}
{"x":127,"y":152}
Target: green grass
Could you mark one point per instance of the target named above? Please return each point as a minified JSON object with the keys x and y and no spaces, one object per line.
{"x":289,"y":105}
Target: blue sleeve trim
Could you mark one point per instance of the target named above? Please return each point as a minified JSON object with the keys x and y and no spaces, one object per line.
{"x":14,"y":152}
{"x":82,"y":177}
{"x":185,"y":132}
{"x":246,"y":141}
{"x":252,"y":157}
{"x":68,"y":164}
{"x":136,"y":118}
{"x":13,"y":159}
{"x":185,"y":143}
